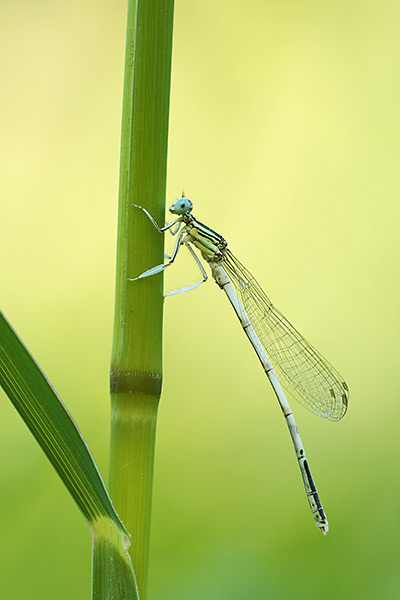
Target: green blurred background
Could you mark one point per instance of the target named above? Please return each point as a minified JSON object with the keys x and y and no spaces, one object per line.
{"x":284,"y":132}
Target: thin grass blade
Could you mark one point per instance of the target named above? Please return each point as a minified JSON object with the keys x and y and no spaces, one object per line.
{"x":60,"y":439}
{"x":52,"y":426}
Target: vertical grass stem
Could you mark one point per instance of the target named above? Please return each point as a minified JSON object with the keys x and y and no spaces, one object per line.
{"x":136,"y":364}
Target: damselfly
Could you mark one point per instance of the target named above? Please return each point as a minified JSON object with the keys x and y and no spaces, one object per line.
{"x":304,"y":373}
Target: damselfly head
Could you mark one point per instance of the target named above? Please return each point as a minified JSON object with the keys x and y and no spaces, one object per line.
{"x":181,"y":206}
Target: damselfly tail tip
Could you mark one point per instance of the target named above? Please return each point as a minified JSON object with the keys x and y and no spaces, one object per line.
{"x":324,"y":527}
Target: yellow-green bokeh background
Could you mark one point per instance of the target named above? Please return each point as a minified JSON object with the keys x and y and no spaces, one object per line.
{"x":284,"y":131}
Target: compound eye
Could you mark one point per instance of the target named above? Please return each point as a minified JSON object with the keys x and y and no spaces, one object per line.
{"x":182,"y":206}
{"x":188,"y":204}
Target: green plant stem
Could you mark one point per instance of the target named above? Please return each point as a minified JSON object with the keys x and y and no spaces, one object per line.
{"x":133,"y":429}
{"x":137,"y":343}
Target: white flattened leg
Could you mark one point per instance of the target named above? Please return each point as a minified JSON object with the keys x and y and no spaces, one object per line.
{"x":177,"y":221}
{"x":174,"y":230}
{"x":194,"y":285}
{"x":159,"y":268}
